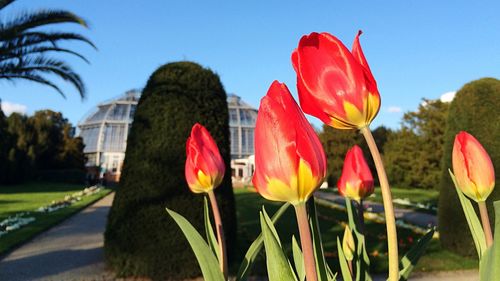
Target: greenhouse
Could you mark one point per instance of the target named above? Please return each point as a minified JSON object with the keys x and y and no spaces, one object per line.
{"x":105,"y":130}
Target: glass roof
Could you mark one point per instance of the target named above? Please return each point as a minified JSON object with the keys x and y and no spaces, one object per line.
{"x":105,"y":128}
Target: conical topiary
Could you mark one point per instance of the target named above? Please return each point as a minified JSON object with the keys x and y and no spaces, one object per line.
{"x":141,"y":239}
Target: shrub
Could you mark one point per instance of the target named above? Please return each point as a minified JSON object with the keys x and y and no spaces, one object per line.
{"x":63,"y":175}
{"x":141,"y":239}
{"x":475,"y":110}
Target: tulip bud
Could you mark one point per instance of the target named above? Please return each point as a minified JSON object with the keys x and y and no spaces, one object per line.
{"x":334,"y":84}
{"x":472,"y":167}
{"x":356,"y":181}
{"x":348,"y":246}
{"x":289,"y":160}
{"x":204,"y":165}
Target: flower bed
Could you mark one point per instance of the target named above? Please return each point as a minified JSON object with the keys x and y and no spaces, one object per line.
{"x":22,"y":219}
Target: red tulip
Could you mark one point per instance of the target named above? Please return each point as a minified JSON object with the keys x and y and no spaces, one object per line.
{"x":334,"y":84}
{"x":290,"y":163}
{"x":204,"y":165}
{"x":356,"y":181}
{"x":472,"y":167}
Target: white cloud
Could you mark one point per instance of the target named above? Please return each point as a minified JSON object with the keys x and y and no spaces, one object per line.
{"x":10,"y":107}
{"x":394,"y":109}
{"x":448,"y":96}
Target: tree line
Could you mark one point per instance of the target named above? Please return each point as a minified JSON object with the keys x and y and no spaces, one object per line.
{"x":39,"y":147}
{"x":412,"y":153}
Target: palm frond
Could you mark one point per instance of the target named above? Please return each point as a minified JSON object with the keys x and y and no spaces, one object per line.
{"x":32,"y":38}
{"x":40,"y":64}
{"x":24,"y":46}
{"x":34,"y":78}
{"x":5,"y":3}
{"x":23,"y":52}
{"x":29,"y":20}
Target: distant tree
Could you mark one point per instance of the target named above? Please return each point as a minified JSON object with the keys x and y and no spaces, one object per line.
{"x":22,"y":137}
{"x":42,"y":142}
{"x":25,"y":45}
{"x":48,"y":142}
{"x":413,"y":153}
{"x":71,"y":156}
{"x":4,"y":145}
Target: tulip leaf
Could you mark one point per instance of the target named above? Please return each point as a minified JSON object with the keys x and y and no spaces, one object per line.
{"x":344,"y":266}
{"x":278,"y":266}
{"x":472,"y":220}
{"x":360,"y":256}
{"x":411,"y":258}
{"x":256,"y":246}
{"x":324,"y":272}
{"x":208,"y":262}
{"x":209,"y":231}
{"x":298,"y":259}
{"x":489,"y":265}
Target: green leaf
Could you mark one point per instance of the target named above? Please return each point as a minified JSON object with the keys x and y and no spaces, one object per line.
{"x":278,"y":266}
{"x":361,"y":257}
{"x":489,"y":265}
{"x":206,"y":259}
{"x":298,"y":259}
{"x":472,"y":220}
{"x":411,"y":258}
{"x":209,"y":231}
{"x":344,"y":266}
{"x":254,"y":249}
{"x":321,"y":265}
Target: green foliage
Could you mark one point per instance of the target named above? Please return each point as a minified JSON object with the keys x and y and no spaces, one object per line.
{"x":489,"y":266}
{"x":43,"y":142}
{"x":413,"y":153}
{"x":336,"y":143}
{"x":256,"y":246}
{"x":140,"y":239}
{"x":206,"y":258}
{"x":410,"y":259}
{"x":278,"y":266}
{"x":475,"y":110}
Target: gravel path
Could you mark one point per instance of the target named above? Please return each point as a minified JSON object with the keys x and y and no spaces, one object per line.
{"x":72,"y":250}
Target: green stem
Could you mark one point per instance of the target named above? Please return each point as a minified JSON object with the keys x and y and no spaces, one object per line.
{"x":361,"y":217}
{"x":485,"y":220}
{"x":306,"y":242}
{"x":220,"y":233}
{"x":390,"y":220}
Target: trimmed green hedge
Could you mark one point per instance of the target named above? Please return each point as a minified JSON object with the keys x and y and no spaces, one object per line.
{"x":141,"y":239}
{"x":475,"y":109}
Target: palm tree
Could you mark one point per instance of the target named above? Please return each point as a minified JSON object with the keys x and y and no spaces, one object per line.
{"x":26,"y":48}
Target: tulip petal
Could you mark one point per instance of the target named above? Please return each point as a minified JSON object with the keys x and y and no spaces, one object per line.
{"x":205,"y":168}
{"x":289,"y":159}
{"x":356,"y":180}
{"x":358,"y":54}
{"x":335,"y":85}
{"x":472,"y":167}
{"x":328,"y":70}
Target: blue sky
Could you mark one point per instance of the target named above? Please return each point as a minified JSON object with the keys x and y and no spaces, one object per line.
{"x":415,"y":49}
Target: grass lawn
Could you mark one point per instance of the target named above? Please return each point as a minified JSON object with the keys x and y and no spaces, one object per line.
{"x":331,"y":223}
{"x":29,"y":197}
